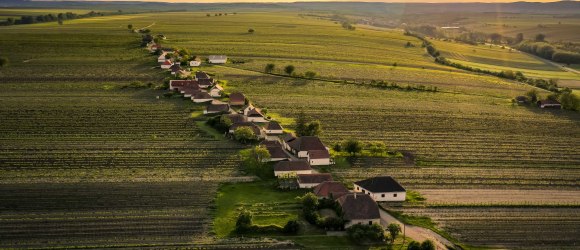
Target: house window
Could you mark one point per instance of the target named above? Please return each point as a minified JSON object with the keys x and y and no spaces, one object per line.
{"x":394,"y":195}
{"x":383,"y":195}
{"x":357,"y":189}
{"x":370,"y":222}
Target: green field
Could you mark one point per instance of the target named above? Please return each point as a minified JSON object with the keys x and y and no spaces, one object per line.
{"x":141,"y":171}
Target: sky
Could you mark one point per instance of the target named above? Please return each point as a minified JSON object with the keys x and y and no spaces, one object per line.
{"x":390,"y":1}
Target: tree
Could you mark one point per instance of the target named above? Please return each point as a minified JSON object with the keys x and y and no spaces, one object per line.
{"x":301,"y":123}
{"x":313,"y":129}
{"x":394,"y":229}
{"x":10,"y":21}
{"x":261,"y":154}
{"x":363,"y":233}
{"x":310,"y":74}
{"x":291,"y":227}
{"x":427,"y":245}
{"x":377,"y":147}
{"x":269,"y":68}
{"x":540,"y":38}
{"x":309,"y":202}
{"x":60,"y":22}
{"x":289,"y":69}
{"x":244,"y":134}
{"x":244,"y":222}
{"x":569,"y":101}
{"x":130,"y":26}
{"x":207,"y":15}
{"x":532,"y":95}
{"x":3,"y":62}
{"x":414,"y":245}
{"x":352,"y":146}
{"x":519,"y":38}
{"x":250,"y":30}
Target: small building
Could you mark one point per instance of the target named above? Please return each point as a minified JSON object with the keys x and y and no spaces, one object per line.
{"x":247,"y":109}
{"x":162,"y":58}
{"x":359,"y":209}
{"x":177,"y":85}
{"x":189,"y":92}
{"x":237,"y":99}
{"x":217,"y":108}
{"x":382,"y":188}
{"x":255,"y":115}
{"x":236,"y":118}
{"x":195,"y":62}
{"x":273,"y":128}
{"x":201,"y":97}
{"x":205,"y":82}
{"x":286,"y":168}
{"x":216,"y":91}
{"x":201,"y":75}
{"x":301,"y":145}
{"x":521,"y":99}
{"x":277,"y":153}
{"x":255,"y":128}
{"x":549,"y":104}
{"x":167,"y":64}
{"x":218,"y":59}
{"x":287,"y":139}
{"x":330,"y":190}
{"x":312,"y":180}
{"x":318,"y":157}
{"x":175,"y":68}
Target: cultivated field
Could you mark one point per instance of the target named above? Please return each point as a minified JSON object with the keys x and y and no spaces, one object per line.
{"x":80,"y":148}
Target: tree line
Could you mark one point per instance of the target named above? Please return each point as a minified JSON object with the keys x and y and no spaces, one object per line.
{"x":60,"y":17}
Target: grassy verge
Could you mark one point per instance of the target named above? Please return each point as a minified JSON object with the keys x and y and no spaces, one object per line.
{"x":209,"y":130}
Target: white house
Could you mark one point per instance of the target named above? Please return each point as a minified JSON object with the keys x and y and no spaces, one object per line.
{"x":200,"y":97}
{"x":216,"y":91}
{"x":218,"y":59}
{"x":255,"y":115}
{"x":167,"y":64}
{"x":318,"y":157}
{"x":195,"y":63}
{"x":382,"y":188}
{"x":285,"y":168}
{"x":161,"y":58}
{"x":359,"y":209}
{"x":312,"y":180}
{"x":286,"y":140}
{"x":301,"y":145}
{"x":273,"y":128}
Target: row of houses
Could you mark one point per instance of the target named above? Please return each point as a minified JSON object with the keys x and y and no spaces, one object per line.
{"x":548,"y":103}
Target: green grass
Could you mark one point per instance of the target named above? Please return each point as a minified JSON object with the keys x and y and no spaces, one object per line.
{"x":268,"y":205}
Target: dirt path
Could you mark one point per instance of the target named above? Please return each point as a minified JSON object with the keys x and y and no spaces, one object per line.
{"x":415,"y":232}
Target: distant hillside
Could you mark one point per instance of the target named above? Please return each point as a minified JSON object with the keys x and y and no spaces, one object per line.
{"x":563,"y":7}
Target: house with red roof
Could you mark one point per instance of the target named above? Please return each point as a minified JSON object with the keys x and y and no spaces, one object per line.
{"x":312,"y":180}
{"x":330,"y":190}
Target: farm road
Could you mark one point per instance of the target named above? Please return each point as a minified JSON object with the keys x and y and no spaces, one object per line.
{"x":415,"y":232}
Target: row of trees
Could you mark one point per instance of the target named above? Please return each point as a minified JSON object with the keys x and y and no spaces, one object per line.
{"x":547,"y":51}
{"x":289,"y":70}
{"x":305,"y":127}
{"x":60,"y":17}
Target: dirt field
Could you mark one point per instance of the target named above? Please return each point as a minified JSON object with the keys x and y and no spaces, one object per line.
{"x":476,"y":196}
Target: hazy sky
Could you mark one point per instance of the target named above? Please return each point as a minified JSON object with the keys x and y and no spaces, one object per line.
{"x":395,"y":1}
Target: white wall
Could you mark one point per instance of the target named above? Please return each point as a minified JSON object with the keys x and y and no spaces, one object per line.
{"x":218,"y":61}
{"x":215,"y":93}
{"x":256,"y":119}
{"x":278,"y":173}
{"x":307,"y":185}
{"x":319,"y":162}
{"x":389,"y":196}
{"x":277,"y":132}
{"x":201,"y":100}
{"x":363,"y":222}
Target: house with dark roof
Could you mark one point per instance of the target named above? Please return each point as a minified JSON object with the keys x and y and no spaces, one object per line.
{"x":178,"y":85}
{"x":359,"y":209}
{"x":318,"y":157}
{"x":236,"y":118}
{"x":189,"y":92}
{"x":201,"y":75}
{"x":301,"y":145}
{"x":273,"y":128}
{"x":549,"y":104}
{"x":217,"y":108}
{"x":330,"y":190}
{"x":312,"y":180}
{"x":381,"y":188}
{"x":200,"y":97}
{"x":175,"y":68}
{"x":255,"y":128}
{"x":286,"y":139}
{"x":205,"y":83}
{"x":521,"y":99}
{"x":291,"y":168}
{"x":237,"y":99}
{"x":276,"y":151}
{"x":255,"y":115}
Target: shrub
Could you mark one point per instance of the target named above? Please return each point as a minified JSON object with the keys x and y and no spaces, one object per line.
{"x":352,"y":146}
{"x":289,"y":69}
{"x":291,"y":227}
{"x":310,"y":74}
{"x":244,"y":135}
{"x":366,"y":233}
{"x":244,"y":222}
{"x":269,"y":68}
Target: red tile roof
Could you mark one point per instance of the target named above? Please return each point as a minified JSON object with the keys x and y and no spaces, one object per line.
{"x":330,"y":188}
{"x":314,"y":178}
{"x":318,"y":154}
{"x":357,"y":206}
{"x":307,"y":143}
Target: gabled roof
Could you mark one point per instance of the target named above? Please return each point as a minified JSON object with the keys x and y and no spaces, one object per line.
{"x":251,"y":125}
{"x":318,"y":154}
{"x":314,"y":178}
{"x":189,"y":91}
{"x":221,"y":107}
{"x":273,"y":126}
{"x":289,"y":137}
{"x":236,"y":118}
{"x":307,"y":143}
{"x":277,"y":152}
{"x":287,"y":166}
{"x":549,"y":101}
{"x":184,"y":83}
{"x":167,"y":62}
{"x":271,"y":143}
{"x":237,"y":97}
{"x":176,"y":67}
{"x":217,"y":86}
{"x":202,"y":95}
{"x":205,"y":81}
{"x":255,"y":113}
{"x":357,"y":206}
{"x":201,"y":75}
{"x":328,"y":188}
{"x":381,"y":184}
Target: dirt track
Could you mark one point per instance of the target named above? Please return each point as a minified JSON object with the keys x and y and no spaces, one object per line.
{"x":416,"y":233}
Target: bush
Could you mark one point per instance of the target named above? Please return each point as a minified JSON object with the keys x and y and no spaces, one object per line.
{"x":426,"y":245}
{"x":291,"y":227}
{"x":244,"y":222}
{"x":366,"y":233}
{"x":310,"y":74}
{"x":352,"y":146}
{"x":566,"y":57}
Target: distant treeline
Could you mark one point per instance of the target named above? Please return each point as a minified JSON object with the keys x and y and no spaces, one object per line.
{"x":60,"y":17}
{"x":547,"y":51}
{"x":550,"y":85}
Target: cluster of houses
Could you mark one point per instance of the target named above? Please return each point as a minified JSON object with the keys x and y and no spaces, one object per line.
{"x":358,"y":206}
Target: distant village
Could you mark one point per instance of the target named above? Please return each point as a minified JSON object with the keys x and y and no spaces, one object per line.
{"x":293,"y":155}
